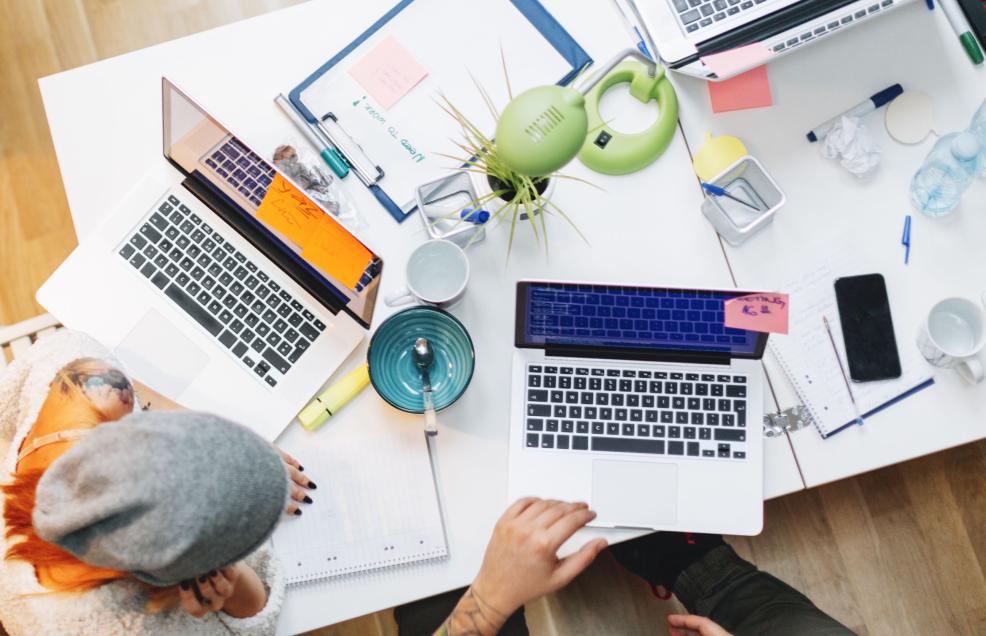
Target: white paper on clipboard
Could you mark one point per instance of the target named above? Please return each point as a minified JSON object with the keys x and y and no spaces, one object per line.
{"x":408,"y":139}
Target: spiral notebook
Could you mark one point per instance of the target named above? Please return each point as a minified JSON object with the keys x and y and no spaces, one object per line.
{"x":376,"y":507}
{"x":807,"y":357}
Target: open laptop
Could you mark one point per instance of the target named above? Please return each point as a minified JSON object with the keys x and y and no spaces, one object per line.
{"x":686,"y":30}
{"x":639,"y":401}
{"x":217,"y":282}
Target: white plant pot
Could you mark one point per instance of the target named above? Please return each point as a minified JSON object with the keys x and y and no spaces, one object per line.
{"x":483,"y":189}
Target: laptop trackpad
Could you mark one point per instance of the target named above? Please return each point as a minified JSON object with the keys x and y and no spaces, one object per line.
{"x":636,"y":494}
{"x":160,"y":356}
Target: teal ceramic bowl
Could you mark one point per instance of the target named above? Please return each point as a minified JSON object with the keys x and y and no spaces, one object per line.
{"x":393,"y":372}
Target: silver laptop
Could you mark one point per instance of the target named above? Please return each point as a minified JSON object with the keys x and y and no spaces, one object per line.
{"x":641,"y":402}
{"x":686,"y":30}
{"x":217,"y":281}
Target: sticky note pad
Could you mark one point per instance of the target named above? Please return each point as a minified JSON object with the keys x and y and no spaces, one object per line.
{"x":335,"y":251}
{"x":287,"y":210}
{"x":758,"y":312}
{"x":749,"y":90}
{"x":728,"y":62}
{"x":388,"y":72}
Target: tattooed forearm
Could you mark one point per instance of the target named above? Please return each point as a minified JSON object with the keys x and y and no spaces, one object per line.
{"x":106,"y":387}
{"x":472,"y":617}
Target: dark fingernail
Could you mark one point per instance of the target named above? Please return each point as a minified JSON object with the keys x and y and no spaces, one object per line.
{"x":202,"y":578}
{"x":298,"y":512}
{"x":212,"y":574}
{"x":311,"y":484}
{"x":185,"y":585}
{"x":307,"y":499}
{"x":301,"y":468}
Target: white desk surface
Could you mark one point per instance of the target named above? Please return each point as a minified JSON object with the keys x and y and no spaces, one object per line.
{"x":105,"y":122}
{"x":918,"y":49}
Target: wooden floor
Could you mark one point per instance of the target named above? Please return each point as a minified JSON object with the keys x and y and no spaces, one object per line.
{"x":899,"y":551}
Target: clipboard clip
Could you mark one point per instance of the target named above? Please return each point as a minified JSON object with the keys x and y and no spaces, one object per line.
{"x":366,"y":170}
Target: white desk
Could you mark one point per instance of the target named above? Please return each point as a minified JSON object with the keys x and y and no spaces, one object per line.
{"x":105,"y":121}
{"x":916,"y":48}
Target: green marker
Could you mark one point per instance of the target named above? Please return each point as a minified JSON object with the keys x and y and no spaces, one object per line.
{"x":329,"y":155}
{"x":962,"y":29}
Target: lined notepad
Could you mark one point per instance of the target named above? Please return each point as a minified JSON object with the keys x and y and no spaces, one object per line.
{"x":807,"y":357}
{"x":376,"y":507}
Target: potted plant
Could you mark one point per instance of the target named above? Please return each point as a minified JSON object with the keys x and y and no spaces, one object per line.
{"x":508,"y":195}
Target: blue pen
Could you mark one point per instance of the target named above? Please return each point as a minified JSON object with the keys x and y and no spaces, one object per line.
{"x":931,"y":4}
{"x":479,"y":217}
{"x":717,"y":191}
{"x":905,"y":240}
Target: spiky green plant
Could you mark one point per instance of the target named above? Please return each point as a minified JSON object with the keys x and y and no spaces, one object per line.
{"x":518,"y":191}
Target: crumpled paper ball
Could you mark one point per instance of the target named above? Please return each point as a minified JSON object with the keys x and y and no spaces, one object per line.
{"x":851,"y":143}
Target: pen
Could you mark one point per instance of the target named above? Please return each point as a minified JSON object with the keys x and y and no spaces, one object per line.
{"x":329,"y":155}
{"x":331,"y":401}
{"x":717,"y":191}
{"x":879,"y":100}
{"x":905,"y":240}
{"x":958,"y":22}
{"x":842,"y":370}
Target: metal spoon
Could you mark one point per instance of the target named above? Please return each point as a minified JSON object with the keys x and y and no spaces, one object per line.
{"x":423,"y":358}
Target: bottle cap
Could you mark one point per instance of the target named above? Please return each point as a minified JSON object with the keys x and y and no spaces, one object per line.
{"x":965,"y":146}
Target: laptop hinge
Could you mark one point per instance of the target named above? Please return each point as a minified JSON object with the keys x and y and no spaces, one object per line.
{"x":638,"y":355}
{"x":787,"y":421}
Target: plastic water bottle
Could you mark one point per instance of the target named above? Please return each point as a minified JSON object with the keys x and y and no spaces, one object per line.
{"x":947,"y":171}
{"x":978,"y":128}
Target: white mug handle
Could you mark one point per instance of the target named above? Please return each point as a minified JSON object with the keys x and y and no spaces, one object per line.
{"x":971,"y":370}
{"x":402,"y":296}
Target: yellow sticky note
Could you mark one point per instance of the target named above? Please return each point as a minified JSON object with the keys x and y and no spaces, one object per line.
{"x":333,"y":250}
{"x":287,"y":210}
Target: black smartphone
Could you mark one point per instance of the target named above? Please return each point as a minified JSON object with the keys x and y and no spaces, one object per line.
{"x":867,"y":328}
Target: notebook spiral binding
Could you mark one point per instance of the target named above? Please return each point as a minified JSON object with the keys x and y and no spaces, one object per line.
{"x":795,"y":418}
{"x":370,"y":567}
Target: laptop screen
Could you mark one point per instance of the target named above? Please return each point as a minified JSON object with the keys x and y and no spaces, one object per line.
{"x":621,"y":318}
{"x":269,"y":210}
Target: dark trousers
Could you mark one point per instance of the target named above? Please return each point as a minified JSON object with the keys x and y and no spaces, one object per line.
{"x":720,"y":585}
{"x":745,"y":601}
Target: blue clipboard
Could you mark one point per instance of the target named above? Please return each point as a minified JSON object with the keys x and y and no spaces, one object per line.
{"x":559,"y":39}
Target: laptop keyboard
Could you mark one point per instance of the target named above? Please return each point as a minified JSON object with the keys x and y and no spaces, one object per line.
{"x":699,"y":14}
{"x":237,"y":303}
{"x":574,"y":408}
{"x":835,"y":24}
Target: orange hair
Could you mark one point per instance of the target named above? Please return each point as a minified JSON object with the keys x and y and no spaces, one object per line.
{"x":66,"y":406}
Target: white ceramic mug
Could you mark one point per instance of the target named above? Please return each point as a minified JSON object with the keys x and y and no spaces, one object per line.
{"x":952,"y":336}
{"x":437,"y":274}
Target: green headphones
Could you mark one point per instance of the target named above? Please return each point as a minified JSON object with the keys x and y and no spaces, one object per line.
{"x":544,"y":128}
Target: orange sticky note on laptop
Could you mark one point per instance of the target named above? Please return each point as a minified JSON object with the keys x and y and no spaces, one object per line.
{"x":287,"y":210}
{"x":758,"y":312}
{"x":336,"y":252}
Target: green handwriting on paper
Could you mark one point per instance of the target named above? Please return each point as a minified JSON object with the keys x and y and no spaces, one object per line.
{"x":368,"y":108}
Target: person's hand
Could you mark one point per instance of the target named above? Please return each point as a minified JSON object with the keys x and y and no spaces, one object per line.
{"x":209,"y":592}
{"x":299,"y":485}
{"x":521,"y":563}
{"x":691,"y":625}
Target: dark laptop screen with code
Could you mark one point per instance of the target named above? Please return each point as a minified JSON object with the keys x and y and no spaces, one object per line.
{"x":630,"y":318}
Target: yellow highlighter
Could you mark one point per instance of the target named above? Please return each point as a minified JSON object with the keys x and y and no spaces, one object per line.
{"x":334,"y":398}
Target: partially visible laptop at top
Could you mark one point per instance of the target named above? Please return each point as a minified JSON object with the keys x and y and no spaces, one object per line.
{"x":640,"y":401}
{"x":216,"y":281}
{"x":686,"y":30}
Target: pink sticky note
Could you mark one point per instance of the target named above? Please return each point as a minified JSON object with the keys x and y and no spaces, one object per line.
{"x":388,"y":72}
{"x":728,"y":62}
{"x":749,"y":90}
{"x":758,"y":312}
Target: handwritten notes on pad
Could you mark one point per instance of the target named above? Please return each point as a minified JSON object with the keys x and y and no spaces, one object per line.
{"x":808,"y":359}
{"x":388,"y":72}
{"x":323,"y":241}
{"x":377,"y":506}
{"x":758,"y":312}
